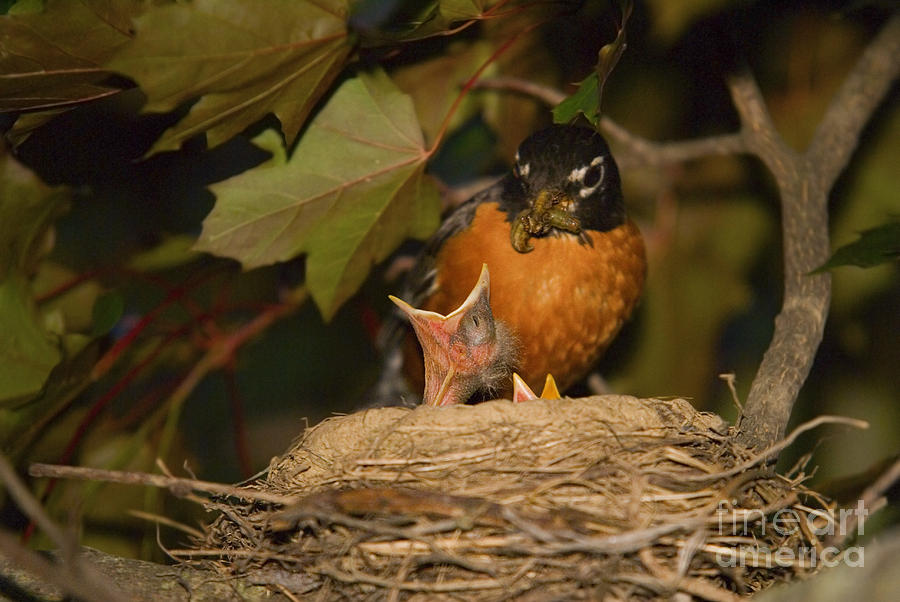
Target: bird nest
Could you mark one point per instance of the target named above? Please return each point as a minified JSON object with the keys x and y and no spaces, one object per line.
{"x":608,"y":497}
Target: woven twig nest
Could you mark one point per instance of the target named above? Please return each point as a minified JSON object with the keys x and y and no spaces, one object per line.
{"x":608,"y":497}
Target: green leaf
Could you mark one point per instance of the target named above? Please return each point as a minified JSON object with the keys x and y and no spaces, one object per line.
{"x":353,"y":189}
{"x":462,"y":10}
{"x":23,"y":7}
{"x":270,"y":140}
{"x":27,"y":352}
{"x":874,"y":247}
{"x":27,"y":210}
{"x":589,"y":95}
{"x":108,"y":310}
{"x":609,"y":54}
{"x":53,"y":58}
{"x":585,"y":100}
{"x":242,"y":59}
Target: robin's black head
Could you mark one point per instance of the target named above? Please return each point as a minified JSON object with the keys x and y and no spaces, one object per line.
{"x":572,"y":168}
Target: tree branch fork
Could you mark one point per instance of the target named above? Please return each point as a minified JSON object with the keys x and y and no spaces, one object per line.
{"x":804,"y":181}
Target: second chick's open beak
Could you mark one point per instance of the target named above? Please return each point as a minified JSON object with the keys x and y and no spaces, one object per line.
{"x":466,"y":351}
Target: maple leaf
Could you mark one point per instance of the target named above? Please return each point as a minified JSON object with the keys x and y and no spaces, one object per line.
{"x":52,"y":58}
{"x":242,"y":59}
{"x":28,"y":352}
{"x":353,"y":189}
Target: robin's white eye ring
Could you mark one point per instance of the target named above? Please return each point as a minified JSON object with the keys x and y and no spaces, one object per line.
{"x":592,"y":176}
{"x":522,"y":171}
{"x":591,"y":179}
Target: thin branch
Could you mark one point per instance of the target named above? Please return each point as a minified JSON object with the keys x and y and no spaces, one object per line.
{"x":473,"y":80}
{"x":220,"y":353}
{"x":774,"y":449}
{"x":635,"y":151}
{"x":640,"y":152}
{"x":179,"y":486}
{"x":460,"y":585}
{"x":869,"y":501}
{"x":548,"y":95}
{"x":31,"y":507}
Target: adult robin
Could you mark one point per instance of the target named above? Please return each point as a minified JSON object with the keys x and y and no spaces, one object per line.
{"x":567,"y":267}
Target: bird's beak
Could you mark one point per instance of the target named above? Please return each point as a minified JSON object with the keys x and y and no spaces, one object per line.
{"x":443,"y":368}
{"x":522,"y":392}
{"x":549,"y":209}
{"x":551,"y":391}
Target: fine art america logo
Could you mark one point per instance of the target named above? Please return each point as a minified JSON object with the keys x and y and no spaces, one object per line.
{"x":816,"y":525}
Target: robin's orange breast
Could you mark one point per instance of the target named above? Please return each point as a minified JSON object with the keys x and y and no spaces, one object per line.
{"x":564,"y":301}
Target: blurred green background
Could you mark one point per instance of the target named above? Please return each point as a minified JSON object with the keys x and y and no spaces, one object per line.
{"x":711,"y":228}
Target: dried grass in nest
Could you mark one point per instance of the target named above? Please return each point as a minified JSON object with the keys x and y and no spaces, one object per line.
{"x":608,"y":497}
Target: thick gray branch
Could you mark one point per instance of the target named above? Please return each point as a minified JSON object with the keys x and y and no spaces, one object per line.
{"x":136,"y":580}
{"x":804,"y":182}
{"x":862,"y":92}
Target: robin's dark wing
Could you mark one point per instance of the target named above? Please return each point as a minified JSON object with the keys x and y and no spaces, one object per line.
{"x":392,"y":387}
{"x":420,"y":281}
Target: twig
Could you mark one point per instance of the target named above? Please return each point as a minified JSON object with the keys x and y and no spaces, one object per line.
{"x":774,"y":449}
{"x":686,"y":554}
{"x":32,"y":508}
{"x":868,"y":501}
{"x":461,"y":585}
{"x":472,"y":81}
{"x":164,"y":520}
{"x":178,"y":486}
{"x":548,"y":95}
{"x":730,"y":379}
{"x":645,"y":153}
{"x":621,"y":543}
{"x":697,"y":587}
{"x":219,"y":355}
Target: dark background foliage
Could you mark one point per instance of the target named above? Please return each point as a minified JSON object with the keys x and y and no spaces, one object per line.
{"x":121,"y":248}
